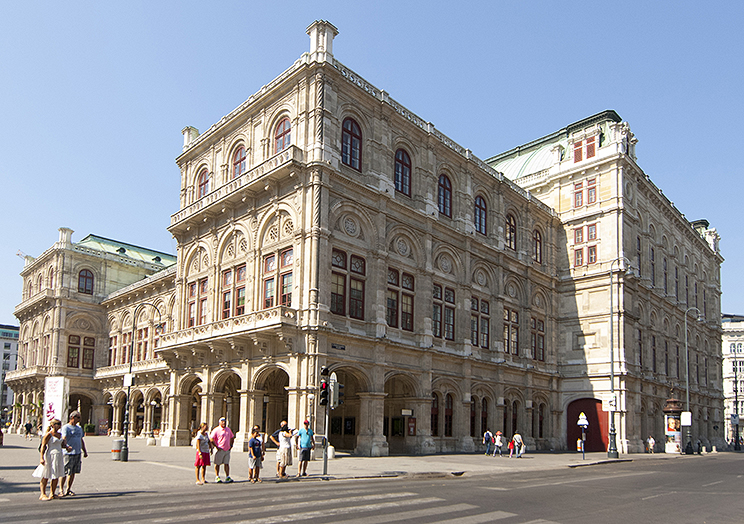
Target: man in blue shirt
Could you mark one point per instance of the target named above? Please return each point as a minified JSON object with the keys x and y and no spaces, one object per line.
{"x":305,"y":443}
{"x":73,"y":435}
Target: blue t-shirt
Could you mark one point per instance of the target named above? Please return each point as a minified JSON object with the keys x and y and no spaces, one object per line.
{"x":306,"y":438}
{"x":256,"y":447}
{"x":73,"y":435}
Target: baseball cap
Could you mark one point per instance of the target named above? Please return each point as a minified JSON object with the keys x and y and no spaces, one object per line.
{"x":306,"y":422}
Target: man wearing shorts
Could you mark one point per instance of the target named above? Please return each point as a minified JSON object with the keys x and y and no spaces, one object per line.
{"x":305,"y":443}
{"x":73,"y":435}
{"x":222,"y":437}
{"x":282,"y":437}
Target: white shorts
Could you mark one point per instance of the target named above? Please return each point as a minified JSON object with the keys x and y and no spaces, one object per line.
{"x":221,"y":456}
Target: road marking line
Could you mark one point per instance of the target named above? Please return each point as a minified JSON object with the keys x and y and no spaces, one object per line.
{"x":168,"y":465}
{"x":712,"y":483}
{"x":338,"y":511}
{"x":477,"y":519}
{"x":572,"y":481}
{"x":416,"y":513}
{"x":540,"y":521}
{"x":659,"y":495}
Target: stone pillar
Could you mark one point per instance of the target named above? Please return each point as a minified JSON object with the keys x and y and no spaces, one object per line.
{"x":423,"y":439}
{"x":243,"y":431}
{"x":212,"y":408}
{"x":99,"y":412}
{"x":461,"y":430}
{"x":178,"y":432}
{"x":370,"y":440}
{"x":147,"y":423}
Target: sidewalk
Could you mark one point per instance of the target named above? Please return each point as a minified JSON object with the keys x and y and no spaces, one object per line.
{"x":150,"y":468}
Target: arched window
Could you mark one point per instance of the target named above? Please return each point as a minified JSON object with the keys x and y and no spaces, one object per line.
{"x":283,"y":135}
{"x":434,"y":415}
{"x":541,"y":421}
{"x":85,"y":282}
{"x":537,"y":246}
{"x":448,"y":415}
{"x":479,"y":215}
{"x":402,"y":172}
{"x":203,"y":183}
{"x":351,"y":144}
{"x":238,"y":162}
{"x":515,"y":419}
{"x":510,"y":232}
{"x":444,"y":196}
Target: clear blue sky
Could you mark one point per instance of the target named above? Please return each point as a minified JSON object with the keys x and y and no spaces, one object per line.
{"x":94,"y":95}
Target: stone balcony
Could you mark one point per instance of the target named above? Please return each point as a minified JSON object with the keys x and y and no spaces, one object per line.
{"x":39,"y":299}
{"x":251,"y":180}
{"x":142,"y":366}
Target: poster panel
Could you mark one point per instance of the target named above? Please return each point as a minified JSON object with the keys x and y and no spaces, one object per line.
{"x":673,"y":434}
{"x":56,"y":392}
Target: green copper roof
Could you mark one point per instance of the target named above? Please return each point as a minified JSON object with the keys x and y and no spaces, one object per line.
{"x":128,"y":250}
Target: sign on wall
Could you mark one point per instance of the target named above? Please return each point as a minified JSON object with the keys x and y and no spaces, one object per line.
{"x":56,"y":392}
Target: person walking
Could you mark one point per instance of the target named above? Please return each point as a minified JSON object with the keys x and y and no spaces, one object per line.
{"x":222,"y":438}
{"x":203,"y":446}
{"x":651,"y":443}
{"x":283,"y":439}
{"x":488,"y":440}
{"x":498,"y":444}
{"x":73,"y":435}
{"x":511,"y":448}
{"x":305,"y":444}
{"x":255,"y":456}
{"x":518,"y":445}
{"x":51,"y":465}
{"x":28,"y":427}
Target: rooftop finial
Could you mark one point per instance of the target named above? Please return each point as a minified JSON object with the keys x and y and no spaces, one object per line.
{"x":321,"y":34}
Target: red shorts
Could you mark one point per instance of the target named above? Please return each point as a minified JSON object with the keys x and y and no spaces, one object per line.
{"x":202,"y":459}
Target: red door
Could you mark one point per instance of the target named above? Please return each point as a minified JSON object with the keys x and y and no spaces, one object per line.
{"x":596,"y":433}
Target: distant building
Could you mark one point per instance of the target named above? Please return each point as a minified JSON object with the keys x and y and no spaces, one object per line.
{"x":732,"y":346}
{"x":322,"y":223}
{"x":9,"y":342}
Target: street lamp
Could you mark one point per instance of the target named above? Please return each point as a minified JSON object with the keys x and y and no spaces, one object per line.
{"x":129,"y":379}
{"x":612,"y":448}
{"x":688,"y":431}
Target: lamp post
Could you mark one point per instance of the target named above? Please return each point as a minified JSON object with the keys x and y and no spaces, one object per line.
{"x":612,"y":448}
{"x":688,"y":431}
{"x":129,"y":379}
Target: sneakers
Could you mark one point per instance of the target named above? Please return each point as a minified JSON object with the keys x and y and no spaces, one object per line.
{"x":228,"y":479}
{"x":217,"y":480}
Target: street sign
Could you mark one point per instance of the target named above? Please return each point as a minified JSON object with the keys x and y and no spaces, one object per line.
{"x":735,"y":419}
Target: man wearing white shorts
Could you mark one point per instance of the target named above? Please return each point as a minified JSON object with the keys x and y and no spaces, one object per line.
{"x":222,"y":437}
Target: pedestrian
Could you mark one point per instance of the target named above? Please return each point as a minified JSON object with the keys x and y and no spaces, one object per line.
{"x":511,"y":448}
{"x":73,"y":435}
{"x":51,"y":465}
{"x":305,"y":444}
{"x":651,"y":443}
{"x":28,"y":426}
{"x":222,"y":438}
{"x":498,"y":443}
{"x":203,"y":448}
{"x":283,"y":439}
{"x":255,"y":456}
{"x":488,"y":440}
{"x":518,"y":445}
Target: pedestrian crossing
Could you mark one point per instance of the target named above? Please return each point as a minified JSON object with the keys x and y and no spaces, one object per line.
{"x":242,"y":503}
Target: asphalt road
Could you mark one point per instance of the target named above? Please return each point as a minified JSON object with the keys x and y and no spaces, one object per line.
{"x":680,"y":490}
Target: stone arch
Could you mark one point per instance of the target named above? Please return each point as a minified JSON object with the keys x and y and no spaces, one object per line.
{"x":514,"y":289}
{"x":448,"y":261}
{"x":197,"y":259}
{"x":271,"y":382}
{"x":403,"y":242}
{"x":233,"y":246}
{"x":353,"y":222}
{"x":597,"y":436}
{"x":276,"y":228}
{"x":484,"y":276}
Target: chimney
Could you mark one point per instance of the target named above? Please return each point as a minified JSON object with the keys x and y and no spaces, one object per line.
{"x":321,"y":34}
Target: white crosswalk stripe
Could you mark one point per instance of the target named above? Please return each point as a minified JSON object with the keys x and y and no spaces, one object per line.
{"x":405,"y":515}
{"x":478,"y":519}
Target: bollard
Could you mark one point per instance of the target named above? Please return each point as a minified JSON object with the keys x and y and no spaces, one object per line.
{"x":331,"y":452}
{"x":116,"y":449}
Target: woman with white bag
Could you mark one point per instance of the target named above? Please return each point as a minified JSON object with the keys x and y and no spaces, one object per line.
{"x":51,"y":465}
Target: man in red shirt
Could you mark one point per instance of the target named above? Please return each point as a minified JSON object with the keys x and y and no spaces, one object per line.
{"x":222,"y":437}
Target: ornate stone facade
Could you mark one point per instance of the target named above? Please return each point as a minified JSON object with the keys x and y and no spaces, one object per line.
{"x":323,"y":224}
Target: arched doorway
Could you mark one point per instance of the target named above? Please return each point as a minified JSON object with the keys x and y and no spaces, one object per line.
{"x":344,"y":420}
{"x":597,"y":432}
{"x":84,"y":405}
{"x":227,"y":401}
{"x":275,"y":405}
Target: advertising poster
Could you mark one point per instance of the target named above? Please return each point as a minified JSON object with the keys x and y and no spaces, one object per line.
{"x":673,"y":434}
{"x":56,"y":391}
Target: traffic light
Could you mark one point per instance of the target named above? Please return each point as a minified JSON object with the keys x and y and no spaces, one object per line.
{"x":336,"y":394}
{"x":324,"y":387}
